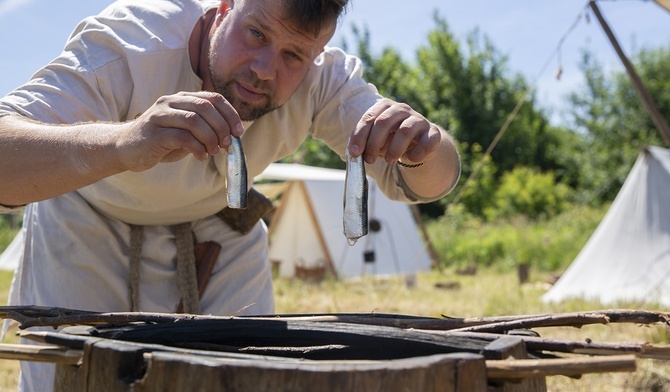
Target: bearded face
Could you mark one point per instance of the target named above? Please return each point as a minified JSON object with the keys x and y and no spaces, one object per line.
{"x":229,"y":86}
{"x":257,"y":58}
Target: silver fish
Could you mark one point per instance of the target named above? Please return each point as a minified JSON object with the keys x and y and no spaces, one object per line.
{"x":236,"y":175}
{"x":355,"y":200}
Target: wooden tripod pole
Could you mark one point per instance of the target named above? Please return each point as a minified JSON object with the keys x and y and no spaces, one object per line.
{"x":656,"y":117}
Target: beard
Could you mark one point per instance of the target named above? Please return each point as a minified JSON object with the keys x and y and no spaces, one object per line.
{"x":246,"y":110}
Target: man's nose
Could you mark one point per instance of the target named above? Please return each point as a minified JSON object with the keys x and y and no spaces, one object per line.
{"x":264,"y":64}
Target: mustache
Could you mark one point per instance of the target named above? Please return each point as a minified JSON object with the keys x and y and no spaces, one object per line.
{"x":250,"y":79}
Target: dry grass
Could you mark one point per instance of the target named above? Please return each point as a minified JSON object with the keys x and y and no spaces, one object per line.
{"x":9,"y":370}
{"x":486,"y":294}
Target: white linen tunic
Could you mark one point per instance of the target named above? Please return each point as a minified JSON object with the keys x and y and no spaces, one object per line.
{"x":114,"y":66}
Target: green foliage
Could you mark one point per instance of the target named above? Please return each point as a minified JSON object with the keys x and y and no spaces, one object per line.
{"x":535,"y":168}
{"x":546,"y":244}
{"x":524,"y":191}
{"x":10,"y":224}
{"x":478,"y":194}
{"x":471,"y":92}
{"x":313,"y":152}
{"x":608,"y":115}
{"x":467,"y":89}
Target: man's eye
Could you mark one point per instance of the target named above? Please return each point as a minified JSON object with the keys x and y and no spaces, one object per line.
{"x":256,"y":33}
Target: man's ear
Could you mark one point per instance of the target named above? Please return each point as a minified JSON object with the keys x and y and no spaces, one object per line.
{"x":224,"y":7}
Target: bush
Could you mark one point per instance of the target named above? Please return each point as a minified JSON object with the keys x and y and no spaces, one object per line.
{"x":546,"y":244}
{"x":10,"y":224}
{"x":525,"y":191}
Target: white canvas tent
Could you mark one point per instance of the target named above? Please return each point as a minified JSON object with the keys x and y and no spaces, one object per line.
{"x":9,"y":258}
{"x":628,"y":256}
{"x":307,"y":227}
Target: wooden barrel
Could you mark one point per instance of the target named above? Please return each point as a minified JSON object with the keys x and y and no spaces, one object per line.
{"x":269,"y":355}
{"x":118,"y":366}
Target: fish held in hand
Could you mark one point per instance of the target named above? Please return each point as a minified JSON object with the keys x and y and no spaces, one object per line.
{"x":236,"y":175}
{"x":355,"y":200}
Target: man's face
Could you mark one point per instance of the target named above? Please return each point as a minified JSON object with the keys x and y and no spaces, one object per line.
{"x":257,"y":58}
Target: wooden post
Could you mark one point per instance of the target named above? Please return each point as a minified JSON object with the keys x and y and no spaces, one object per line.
{"x":656,"y":116}
{"x":107,"y":366}
{"x":523,"y":271}
{"x":512,"y":347}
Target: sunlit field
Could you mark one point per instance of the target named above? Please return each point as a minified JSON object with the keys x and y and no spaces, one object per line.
{"x":488,"y":293}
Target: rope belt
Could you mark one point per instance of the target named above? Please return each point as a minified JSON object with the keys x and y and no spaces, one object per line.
{"x":192,"y":274}
{"x":186,"y":270}
{"x":136,"y":238}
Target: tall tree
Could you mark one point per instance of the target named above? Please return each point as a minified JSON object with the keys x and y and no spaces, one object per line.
{"x":613,"y":123}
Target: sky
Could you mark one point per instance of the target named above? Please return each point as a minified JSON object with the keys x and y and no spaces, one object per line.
{"x":527,"y":32}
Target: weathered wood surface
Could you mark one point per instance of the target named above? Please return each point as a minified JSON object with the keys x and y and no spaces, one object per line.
{"x":32,"y":316}
{"x":294,"y":348}
{"x":296,"y":339}
{"x":118,"y":366}
{"x":106,"y":366}
{"x":39,"y":353}
{"x":511,"y":348}
{"x":574,"y":366}
{"x":577,"y":319}
{"x":640,"y":349}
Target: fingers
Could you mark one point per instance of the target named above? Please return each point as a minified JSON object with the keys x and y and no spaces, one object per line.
{"x":199,"y":123}
{"x":393,"y":130}
{"x":208,"y":117}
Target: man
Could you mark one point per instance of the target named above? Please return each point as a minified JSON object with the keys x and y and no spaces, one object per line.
{"x":119,"y":144}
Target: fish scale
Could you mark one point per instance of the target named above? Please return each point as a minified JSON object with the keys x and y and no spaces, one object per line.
{"x":236,"y":175}
{"x":355,"y":216}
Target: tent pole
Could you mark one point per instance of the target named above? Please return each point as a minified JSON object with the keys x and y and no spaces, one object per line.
{"x":435,"y":259}
{"x":322,"y":241}
{"x":656,"y":116}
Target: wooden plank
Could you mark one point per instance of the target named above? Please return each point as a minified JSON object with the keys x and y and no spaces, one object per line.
{"x":470,"y":374}
{"x":522,"y":368}
{"x":432,"y":373}
{"x":506,"y":347}
{"x":40,"y":353}
{"x":107,"y":366}
{"x":513,"y":347}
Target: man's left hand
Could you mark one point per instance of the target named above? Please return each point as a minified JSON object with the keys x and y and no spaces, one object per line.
{"x":394,"y":131}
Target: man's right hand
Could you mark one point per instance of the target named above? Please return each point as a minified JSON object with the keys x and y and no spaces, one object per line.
{"x":199,"y":123}
{"x":39,"y":161}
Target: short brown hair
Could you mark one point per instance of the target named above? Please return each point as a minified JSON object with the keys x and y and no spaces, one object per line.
{"x":313,"y":15}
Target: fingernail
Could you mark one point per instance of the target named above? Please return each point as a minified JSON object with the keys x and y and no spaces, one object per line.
{"x":354,"y":149}
{"x":226,"y":142}
{"x":369,"y":159}
{"x":239,"y":130}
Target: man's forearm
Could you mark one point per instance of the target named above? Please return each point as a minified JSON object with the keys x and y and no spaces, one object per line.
{"x":40,"y":161}
{"x":438,"y":174}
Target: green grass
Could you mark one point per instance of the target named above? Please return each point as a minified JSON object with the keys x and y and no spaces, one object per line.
{"x":546,"y":244}
{"x":9,"y":370}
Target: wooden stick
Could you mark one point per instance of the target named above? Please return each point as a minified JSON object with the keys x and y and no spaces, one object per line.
{"x":40,"y":353}
{"x":577,"y":319}
{"x":56,"y":317}
{"x":564,"y":346}
{"x":525,"y":368}
{"x":30,"y":316}
{"x":656,"y":351}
